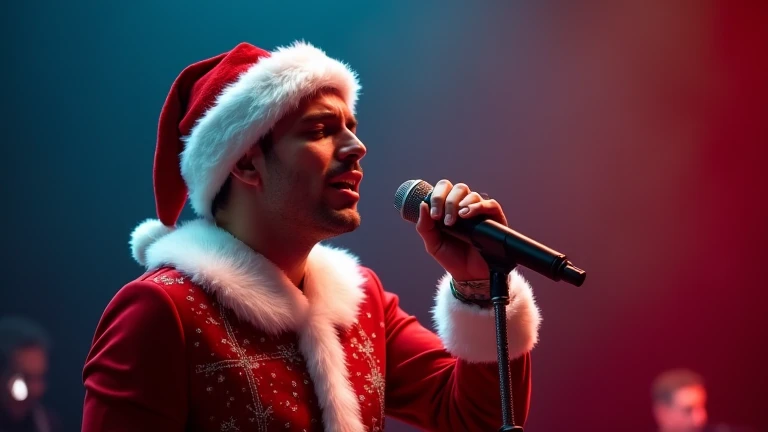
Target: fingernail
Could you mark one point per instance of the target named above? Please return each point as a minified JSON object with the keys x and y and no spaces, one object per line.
{"x":434,"y":212}
{"x":464,"y":211}
{"x":448,"y":219}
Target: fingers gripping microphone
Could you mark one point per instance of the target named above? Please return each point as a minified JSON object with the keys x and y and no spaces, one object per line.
{"x":491,"y":238}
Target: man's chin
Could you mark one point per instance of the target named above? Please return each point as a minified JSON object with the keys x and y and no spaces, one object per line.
{"x":342,"y":221}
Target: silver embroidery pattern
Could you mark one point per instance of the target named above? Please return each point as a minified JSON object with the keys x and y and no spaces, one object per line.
{"x":229,"y":426}
{"x":166,"y":280}
{"x":290,"y":354}
{"x":262,"y":414}
{"x":376,"y":380}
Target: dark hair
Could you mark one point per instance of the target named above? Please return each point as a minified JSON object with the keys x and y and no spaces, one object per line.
{"x":222,"y":196}
{"x":666,"y":384}
{"x":18,"y":332}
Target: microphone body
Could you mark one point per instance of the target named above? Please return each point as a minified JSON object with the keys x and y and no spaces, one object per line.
{"x":498,"y":244}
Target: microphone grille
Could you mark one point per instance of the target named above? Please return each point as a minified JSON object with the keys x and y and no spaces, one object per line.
{"x":409,"y":197}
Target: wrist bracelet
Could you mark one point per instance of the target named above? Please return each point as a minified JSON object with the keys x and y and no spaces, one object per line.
{"x":480,"y":292}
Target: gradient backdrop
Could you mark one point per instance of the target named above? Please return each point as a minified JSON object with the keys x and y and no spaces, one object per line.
{"x":631,"y":137}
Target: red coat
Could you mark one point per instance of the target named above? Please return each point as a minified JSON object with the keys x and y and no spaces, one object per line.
{"x":215,"y":338}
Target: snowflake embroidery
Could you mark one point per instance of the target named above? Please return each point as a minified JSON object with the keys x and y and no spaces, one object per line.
{"x":376,"y":382}
{"x":366,"y":347}
{"x":166,"y":280}
{"x":229,"y":426}
{"x":263,"y":416}
{"x":290,"y":353}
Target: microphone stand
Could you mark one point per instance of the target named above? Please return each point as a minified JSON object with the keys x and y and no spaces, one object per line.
{"x":499,"y":276}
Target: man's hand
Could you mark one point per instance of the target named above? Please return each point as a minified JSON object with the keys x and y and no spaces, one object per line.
{"x":448,"y":203}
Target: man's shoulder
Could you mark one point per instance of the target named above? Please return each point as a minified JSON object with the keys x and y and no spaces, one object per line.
{"x":165,"y":277}
{"x":372,"y":286}
{"x":162,"y":283}
{"x":370,"y":278}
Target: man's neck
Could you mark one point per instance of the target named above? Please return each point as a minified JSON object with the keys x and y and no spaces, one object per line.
{"x":287,"y":256}
{"x":287,"y":252}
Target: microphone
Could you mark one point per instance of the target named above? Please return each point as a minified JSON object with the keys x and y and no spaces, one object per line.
{"x":495,"y":241}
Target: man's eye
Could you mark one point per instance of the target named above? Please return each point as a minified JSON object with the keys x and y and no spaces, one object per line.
{"x":317,"y":133}
{"x":323,"y":131}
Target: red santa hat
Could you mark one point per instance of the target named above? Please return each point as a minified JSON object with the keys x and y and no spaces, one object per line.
{"x":216,"y":110}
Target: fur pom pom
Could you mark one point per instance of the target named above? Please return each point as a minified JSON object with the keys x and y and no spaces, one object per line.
{"x":144,"y":235}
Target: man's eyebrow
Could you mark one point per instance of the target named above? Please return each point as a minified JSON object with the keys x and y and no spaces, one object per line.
{"x":318,"y":116}
{"x":327,"y":115}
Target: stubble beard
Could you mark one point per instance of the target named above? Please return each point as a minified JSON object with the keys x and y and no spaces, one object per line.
{"x":336,"y":222}
{"x":321,"y":222}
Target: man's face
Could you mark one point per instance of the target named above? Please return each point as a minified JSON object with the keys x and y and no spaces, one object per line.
{"x":315,"y":154}
{"x":686,"y":413}
{"x":29,"y":364}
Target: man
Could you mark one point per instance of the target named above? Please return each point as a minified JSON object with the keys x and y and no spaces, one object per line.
{"x":679,"y":401}
{"x":244,"y":321}
{"x":24,"y":363}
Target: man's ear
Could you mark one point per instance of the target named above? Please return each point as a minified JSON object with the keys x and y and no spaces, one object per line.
{"x":247,"y":169}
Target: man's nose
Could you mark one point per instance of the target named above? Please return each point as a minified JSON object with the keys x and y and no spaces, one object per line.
{"x":352,"y":149}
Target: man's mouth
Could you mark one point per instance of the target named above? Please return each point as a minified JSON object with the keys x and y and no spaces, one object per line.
{"x":344,"y":185}
{"x":348,"y":181}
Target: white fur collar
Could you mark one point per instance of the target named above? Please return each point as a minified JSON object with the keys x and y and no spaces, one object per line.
{"x":260,"y":293}
{"x":254,"y":288}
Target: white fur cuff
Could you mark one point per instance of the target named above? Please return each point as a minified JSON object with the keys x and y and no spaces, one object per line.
{"x":469,"y":331}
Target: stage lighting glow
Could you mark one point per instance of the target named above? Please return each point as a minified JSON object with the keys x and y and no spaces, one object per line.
{"x":19,"y":391}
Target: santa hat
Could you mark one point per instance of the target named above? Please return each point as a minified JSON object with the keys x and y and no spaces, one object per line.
{"x":216,"y":110}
